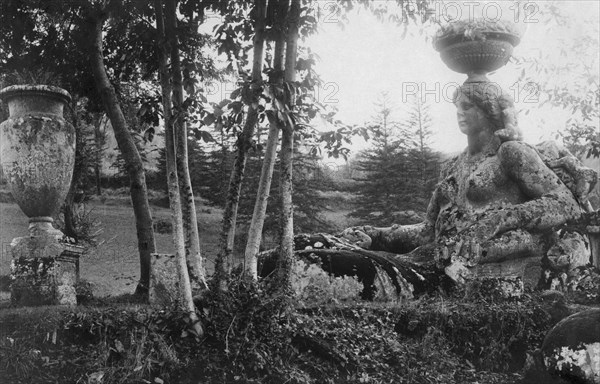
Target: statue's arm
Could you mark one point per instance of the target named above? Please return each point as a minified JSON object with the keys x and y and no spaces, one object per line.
{"x":551,"y":203}
{"x":397,"y":238}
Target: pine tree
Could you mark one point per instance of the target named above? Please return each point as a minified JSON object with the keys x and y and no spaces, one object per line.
{"x":422,"y":161}
{"x":382,"y":167}
{"x":400,"y":170}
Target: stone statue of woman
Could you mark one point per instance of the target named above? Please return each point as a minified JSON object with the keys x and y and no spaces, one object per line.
{"x":498,"y":205}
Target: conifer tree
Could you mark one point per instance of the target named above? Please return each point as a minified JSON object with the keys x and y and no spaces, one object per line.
{"x":400,"y":169}
{"x":381,"y":166}
{"x":422,"y":165}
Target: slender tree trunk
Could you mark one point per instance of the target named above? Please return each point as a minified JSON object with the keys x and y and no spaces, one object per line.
{"x":190,"y":220}
{"x":286,"y":256}
{"x":260,"y":206}
{"x":266,"y":175}
{"x":99,"y":143}
{"x":135,"y":169}
{"x":224,"y":258}
{"x":185,"y":289}
{"x":69,"y":224}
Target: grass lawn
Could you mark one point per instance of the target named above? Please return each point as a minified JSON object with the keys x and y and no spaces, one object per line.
{"x":113,"y":267}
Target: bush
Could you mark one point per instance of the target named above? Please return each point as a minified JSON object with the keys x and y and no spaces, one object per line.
{"x":5,"y":282}
{"x":84,"y":291}
{"x":491,"y":335}
{"x":109,"y":345}
{"x":254,"y":334}
{"x":163,"y":226}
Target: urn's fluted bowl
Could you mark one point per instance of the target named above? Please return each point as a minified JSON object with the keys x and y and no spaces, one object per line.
{"x":476,"y":46}
{"x":482,"y":56}
{"x":37,"y":147}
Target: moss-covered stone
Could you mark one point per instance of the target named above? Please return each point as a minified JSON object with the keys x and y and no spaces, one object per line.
{"x":44,"y":281}
{"x":571,"y":350}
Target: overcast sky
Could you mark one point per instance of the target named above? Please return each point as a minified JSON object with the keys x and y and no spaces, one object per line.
{"x":368,"y":56}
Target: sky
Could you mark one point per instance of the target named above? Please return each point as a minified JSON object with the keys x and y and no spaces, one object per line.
{"x":367,"y":56}
{"x":362,"y":56}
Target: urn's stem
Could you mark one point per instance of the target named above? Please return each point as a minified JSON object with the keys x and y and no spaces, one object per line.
{"x":42,"y":226}
{"x":477,"y":77}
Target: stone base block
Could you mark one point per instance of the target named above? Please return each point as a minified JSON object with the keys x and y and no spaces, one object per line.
{"x":44,"y":280}
{"x":163,"y":279}
{"x":44,"y":269}
{"x":515,"y":275}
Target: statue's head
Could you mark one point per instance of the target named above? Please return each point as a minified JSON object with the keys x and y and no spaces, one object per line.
{"x":484,"y":105}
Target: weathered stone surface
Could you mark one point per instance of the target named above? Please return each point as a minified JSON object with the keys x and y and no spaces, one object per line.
{"x":571,"y":350}
{"x":499,"y":204}
{"x":570,"y":252}
{"x":42,"y":245}
{"x":44,"y":280}
{"x":527,"y":271}
{"x":163,"y":279}
{"x":503,"y":209}
{"x":594,"y":235}
{"x":331,"y":262}
{"x":37,"y":147}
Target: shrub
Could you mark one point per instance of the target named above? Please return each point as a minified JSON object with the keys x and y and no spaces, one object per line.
{"x":84,"y":291}
{"x":491,"y":335}
{"x":5,"y":282}
{"x":162,"y":226}
{"x":254,"y":334}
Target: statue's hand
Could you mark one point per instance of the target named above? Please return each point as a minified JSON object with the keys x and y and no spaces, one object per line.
{"x":357,"y":236}
{"x":584,"y":178}
{"x":510,"y":133}
{"x":457,"y":249}
{"x":466,"y":246}
{"x":484,"y":227}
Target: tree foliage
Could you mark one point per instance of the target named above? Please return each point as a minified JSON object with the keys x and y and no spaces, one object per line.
{"x":568,"y":77}
{"x":399,"y":170}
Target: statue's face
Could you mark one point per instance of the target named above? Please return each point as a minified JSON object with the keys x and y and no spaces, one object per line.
{"x":471,"y":118}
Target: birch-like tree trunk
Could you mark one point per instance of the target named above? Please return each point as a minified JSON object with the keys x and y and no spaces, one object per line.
{"x":286,"y":256}
{"x":260,"y":206}
{"x":244,"y":142}
{"x":190,"y":221}
{"x":266,"y":175}
{"x":133,"y":161}
{"x":185,"y":289}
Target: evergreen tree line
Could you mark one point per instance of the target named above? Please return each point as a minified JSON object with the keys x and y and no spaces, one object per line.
{"x":398,"y":172}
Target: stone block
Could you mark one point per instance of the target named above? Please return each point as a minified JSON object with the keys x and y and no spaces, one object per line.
{"x":45,"y":280}
{"x":571,"y":350}
{"x":164,"y":279}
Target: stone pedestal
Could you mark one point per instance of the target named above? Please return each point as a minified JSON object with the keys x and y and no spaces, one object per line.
{"x":163,"y":279}
{"x":44,"y":271}
{"x":37,"y":149}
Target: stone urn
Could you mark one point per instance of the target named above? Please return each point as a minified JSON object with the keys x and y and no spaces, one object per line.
{"x":476,"y":47}
{"x":37,"y":149}
{"x":37,"y":153}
